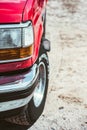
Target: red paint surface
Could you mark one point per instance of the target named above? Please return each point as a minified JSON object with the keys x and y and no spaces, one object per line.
{"x":11,"y":10}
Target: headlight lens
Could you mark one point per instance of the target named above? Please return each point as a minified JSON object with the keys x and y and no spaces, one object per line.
{"x":27,"y":38}
{"x":16,"y":43}
{"x":10,"y":38}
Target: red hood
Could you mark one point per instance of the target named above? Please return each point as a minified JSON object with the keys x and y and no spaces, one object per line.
{"x":11,"y":10}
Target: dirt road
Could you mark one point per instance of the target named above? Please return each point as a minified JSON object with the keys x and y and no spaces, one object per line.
{"x":66,"y":106}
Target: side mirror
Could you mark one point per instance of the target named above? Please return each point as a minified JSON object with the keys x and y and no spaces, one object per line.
{"x":46,"y":44}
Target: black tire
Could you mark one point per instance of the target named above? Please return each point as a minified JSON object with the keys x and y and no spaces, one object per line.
{"x":33,"y":111}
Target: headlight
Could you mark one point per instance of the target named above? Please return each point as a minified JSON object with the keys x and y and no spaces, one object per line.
{"x":10,"y":38}
{"x":16,"y":42}
{"x":27,"y":38}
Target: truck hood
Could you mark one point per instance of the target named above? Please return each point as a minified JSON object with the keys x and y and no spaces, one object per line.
{"x":11,"y":11}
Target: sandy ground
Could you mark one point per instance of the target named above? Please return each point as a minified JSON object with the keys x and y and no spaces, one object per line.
{"x":66,"y":106}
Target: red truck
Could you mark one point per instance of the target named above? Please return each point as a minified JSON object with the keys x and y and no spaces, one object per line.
{"x":24,"y":64}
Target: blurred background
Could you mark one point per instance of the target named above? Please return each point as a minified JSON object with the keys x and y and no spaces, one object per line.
{"x":66,"y":106}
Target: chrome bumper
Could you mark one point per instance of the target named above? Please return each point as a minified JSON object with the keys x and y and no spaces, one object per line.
{"x":17,"y":90}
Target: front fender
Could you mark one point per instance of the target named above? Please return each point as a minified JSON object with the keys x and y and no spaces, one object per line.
{"x":33,"y":11}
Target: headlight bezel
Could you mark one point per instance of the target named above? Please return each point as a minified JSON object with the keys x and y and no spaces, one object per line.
{"x":21,"y":26}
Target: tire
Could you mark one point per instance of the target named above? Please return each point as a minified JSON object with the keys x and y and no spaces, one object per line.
{"x":36,"y":105}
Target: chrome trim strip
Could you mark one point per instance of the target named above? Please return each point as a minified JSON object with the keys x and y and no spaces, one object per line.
{"x":20,"y":25}
{"x":15,"y":60}
{"x":24,"y":81}
{"x":14,"y":104}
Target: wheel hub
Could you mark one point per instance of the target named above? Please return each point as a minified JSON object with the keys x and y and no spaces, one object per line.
{"x":40,"y":89}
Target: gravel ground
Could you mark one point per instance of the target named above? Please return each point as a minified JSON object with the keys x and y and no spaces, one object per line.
{"x":66,"y":106}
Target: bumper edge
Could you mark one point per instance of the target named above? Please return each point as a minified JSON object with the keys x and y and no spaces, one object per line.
{"x":17,"y":90}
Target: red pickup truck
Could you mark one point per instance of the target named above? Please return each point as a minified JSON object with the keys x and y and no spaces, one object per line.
{"x":24,"y":64}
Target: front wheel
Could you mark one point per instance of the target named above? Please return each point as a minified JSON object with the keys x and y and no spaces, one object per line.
{"x":37,"y":103}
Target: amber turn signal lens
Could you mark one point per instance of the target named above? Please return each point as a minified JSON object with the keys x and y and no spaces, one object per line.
{"x":16,"y":53}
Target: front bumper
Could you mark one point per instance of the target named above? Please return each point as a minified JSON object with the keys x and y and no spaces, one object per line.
{"x":16,"y":90}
